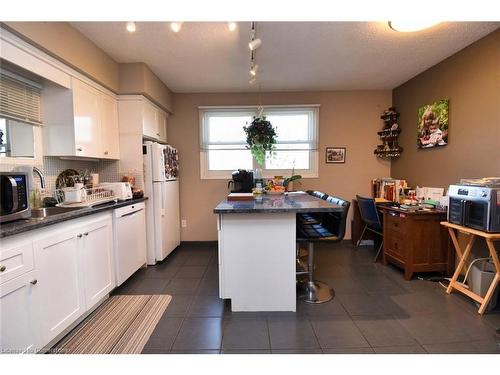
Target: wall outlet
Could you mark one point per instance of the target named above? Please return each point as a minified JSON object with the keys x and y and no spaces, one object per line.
{"x":184,"y":223}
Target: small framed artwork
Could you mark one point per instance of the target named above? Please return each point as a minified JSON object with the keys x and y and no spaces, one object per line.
{"x":335,"y":155}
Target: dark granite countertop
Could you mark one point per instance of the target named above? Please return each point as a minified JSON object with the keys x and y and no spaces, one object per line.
{"x":288,"y":203}
{"x":21,"y":226}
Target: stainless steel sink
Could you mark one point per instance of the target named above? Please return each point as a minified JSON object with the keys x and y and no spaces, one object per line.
{"x":42,"y":213}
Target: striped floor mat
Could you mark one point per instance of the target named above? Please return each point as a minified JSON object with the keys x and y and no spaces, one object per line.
{"x":121,"y":325}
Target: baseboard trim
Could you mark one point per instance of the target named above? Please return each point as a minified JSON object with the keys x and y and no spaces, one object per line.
{"x":199,"y":243}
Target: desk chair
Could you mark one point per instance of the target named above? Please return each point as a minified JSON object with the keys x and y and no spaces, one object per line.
{"x":369,"y":215}
{"x":331,"y":229}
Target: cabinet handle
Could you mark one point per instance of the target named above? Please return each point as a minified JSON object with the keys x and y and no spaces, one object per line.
{"x":86,"y":234}
{"x":34,"y":281}
{"x":2,"y":268}
{"x":105,"y":152}
{"x":79,"y":149}
{"x":80,"y":235}
{"x":158,"y":134}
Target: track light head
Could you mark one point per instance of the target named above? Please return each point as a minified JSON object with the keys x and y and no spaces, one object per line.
{"x":176,"y":26}
{"x":252,"y":81}
{"x":254,"y":69}
{"x":254,"y":44}
{"x":131,"y":27}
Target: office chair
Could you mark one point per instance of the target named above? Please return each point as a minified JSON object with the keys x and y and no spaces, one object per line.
{"x":331,"y":229}
{"x":369,"y":215}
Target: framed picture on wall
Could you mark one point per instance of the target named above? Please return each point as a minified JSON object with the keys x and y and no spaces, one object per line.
{"x":335,"y":155}
{"x":432,"y":125}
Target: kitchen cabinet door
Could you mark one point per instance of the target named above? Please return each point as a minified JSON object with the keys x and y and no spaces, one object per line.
{"x":150,"y":120}
{"x":20,"y":315}
{"x":162,"y":126}
{"x":87,"y":122}
{"x":97,"y":261}
{"x":60,"y":284}
{"x":110,"y":140}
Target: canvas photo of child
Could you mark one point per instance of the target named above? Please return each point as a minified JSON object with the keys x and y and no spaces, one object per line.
{"x":432,"y":125}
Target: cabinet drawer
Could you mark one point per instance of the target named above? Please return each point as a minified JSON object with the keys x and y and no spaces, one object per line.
{"x":394,"y":244}
{"x":395,"y":223}
{"x":15,"y":260}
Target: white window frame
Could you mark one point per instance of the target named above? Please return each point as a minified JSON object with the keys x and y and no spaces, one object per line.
{"x":313,"y":109}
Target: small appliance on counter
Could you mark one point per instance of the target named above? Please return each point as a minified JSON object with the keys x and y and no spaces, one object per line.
{"x":121,"y":190}
{"x":475,"y":203}
{"x":242,"y":181}
{"x":14,"y":196}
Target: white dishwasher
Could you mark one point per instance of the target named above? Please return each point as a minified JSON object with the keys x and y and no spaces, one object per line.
{"x":130,"y":240}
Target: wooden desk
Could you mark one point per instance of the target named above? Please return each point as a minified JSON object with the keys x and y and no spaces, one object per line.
{"x":415,"y":242}
{"x":472,"y":234}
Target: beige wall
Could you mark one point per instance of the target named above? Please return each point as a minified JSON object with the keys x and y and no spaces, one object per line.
{"x":471,"y":80}
{"x":66,"y":43}
{"x":349,"y":119}
{"x":137,"y":78}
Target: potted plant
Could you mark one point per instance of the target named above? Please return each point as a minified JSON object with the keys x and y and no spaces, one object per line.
{"x":261,"y":138}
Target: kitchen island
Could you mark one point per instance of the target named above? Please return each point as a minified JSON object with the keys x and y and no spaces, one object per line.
{"x":257,"y":249}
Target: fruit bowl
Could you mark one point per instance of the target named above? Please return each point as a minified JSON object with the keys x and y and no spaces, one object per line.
{"x":275,"y":192}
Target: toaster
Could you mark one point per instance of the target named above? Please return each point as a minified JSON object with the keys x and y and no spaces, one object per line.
{"x":121,"y":190}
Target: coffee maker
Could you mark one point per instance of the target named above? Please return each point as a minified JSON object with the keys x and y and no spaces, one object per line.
{"x":242,"y":181}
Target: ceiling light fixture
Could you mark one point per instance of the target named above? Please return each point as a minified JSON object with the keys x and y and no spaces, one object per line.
{"x":176,"y":26}
{"x":254,"y":42}
{"x":253,"y":69}
{"x":252,"y":81}
{"x":409,"y":26}
{"x":131,"y":27}
{"x":231,"y":26}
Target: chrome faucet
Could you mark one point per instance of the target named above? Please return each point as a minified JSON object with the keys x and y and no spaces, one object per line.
{"x":42,"y":177}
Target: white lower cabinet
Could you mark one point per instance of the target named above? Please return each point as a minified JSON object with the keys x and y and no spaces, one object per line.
{"x":60,"y":282}
{"x":73,"y":271}
{"x":97,"y":254}
{"x":20,"y":315}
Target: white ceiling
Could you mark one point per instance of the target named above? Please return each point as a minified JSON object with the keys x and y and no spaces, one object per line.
{"x":207,"y":57}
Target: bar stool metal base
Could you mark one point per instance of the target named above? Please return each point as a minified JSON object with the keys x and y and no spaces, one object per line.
{"x":314,"y":291}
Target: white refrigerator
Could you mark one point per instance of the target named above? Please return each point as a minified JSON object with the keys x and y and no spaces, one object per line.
{"x":161,"y":186}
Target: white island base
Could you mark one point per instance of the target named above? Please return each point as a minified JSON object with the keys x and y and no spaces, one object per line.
{"x":257,"y":261}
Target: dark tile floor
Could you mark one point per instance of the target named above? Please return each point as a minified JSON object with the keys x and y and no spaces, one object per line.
{"x":375,"y":311}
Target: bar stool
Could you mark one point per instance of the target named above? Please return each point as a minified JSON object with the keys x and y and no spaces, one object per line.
{"x":331,"y":229}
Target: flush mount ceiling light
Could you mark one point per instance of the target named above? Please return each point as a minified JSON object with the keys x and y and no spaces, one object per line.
{"x":176,"y":26}
{"x":409,"y":26}
{"x":231,"y":26}
{"x":131,"y":27}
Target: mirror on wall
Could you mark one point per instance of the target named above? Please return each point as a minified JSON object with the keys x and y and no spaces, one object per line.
{"x":16,"y":139}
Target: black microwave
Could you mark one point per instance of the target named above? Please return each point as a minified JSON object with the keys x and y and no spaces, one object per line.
{"x":475,"y":207}
{"x":14,"y":192}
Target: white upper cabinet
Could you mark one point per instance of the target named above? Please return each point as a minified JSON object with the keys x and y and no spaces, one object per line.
{"x":154,"y":122}
{"x":110,"y":141}
{"x":162,"y":126}
{"x":80,"y":122}
{"x":87,"y":119}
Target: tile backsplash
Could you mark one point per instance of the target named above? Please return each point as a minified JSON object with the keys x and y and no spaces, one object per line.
{"x":108,"y":170}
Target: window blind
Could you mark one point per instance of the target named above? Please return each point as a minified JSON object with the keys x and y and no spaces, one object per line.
{"x":20,"y":99}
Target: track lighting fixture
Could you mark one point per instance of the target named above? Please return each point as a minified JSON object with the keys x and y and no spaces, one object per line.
{"x":254,"y":42}
{"x":231,"y":26}
{"x":131,"y":27}
{"x":253,"y":69}
{"x":252,"y":80}
{"x":176,"y":26}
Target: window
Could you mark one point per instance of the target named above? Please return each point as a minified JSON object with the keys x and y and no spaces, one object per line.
{"x":223,"y":141}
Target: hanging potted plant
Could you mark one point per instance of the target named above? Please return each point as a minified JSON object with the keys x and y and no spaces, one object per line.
{"x":261,"y":138}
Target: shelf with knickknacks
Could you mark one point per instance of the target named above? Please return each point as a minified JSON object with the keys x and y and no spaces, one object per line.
{"x":389,"y":135}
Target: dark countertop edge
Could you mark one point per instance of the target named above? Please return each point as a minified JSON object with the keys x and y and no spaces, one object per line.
{"x":273,"y":210}
{"x":23,"y":226}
